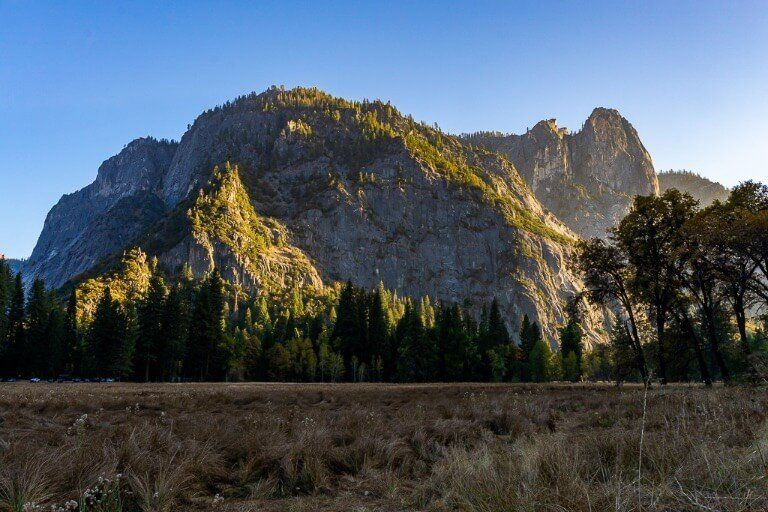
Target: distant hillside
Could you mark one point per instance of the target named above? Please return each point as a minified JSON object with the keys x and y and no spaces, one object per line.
{"x":705,"y":191}
{"x":14,"y":264}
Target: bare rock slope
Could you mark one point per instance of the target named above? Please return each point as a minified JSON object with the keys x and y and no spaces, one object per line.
{"x":587,"y":179}
{"x":298,"y":188}
{"x":103,"y":217}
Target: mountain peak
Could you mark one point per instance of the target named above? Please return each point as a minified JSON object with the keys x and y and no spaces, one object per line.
{"x":587,"y":179}
{"x":549,"y":127}
{"x":604,"y":112}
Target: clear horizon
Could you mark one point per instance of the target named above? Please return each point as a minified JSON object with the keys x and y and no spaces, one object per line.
{"x":81,"y":80}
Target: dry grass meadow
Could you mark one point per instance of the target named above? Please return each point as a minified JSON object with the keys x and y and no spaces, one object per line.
{"x":433,"y":447}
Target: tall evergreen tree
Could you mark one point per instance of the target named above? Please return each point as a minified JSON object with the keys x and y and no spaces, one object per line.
{"x":151,"y":339}
{"x":5,"y":299}
{"x":445,"y":330}
{"x":110,"y":338}
{"x":36,"y":351}
{"x":14,"y":362}
{"x":529,"y":336}
{"x":347,"y":331}
{"x":73,"y":349}
{"x":174,"y":332}
{"x":206,"y":333}
{"x":497,"y":330}
{"x":571,"y":343}
{"x":55,"y":333}
{"x":499,"y":344}
{"x":416,"y":348}
{"x":378,"y":329}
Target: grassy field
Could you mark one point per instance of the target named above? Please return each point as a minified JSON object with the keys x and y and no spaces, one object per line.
{"x":436,"y":447}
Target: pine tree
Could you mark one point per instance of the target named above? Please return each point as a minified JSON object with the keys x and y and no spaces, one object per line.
{"x":151,"y":340}
{"x":443,"y":323}
{"x":206,"y":333}
{"x":280,"y":364}
{"x":5,"y":298}
{"x":416,"y":354}
{"x":527,"y":341}
{"x":378,"y":330}
{"x":348,"y":333}
{"x":55,"y":333}
{"x":571,"y":344}
{"x":74,"y":354}
{"x":454,"y":345}
{"x":498,"y":349}
{"x":13,"y":362}
{"x":251,"y":355}
{"x":263,"y":318}
{"x":36,"y":351}
{"x":497,"y":330}
{"x":174,"y":332}
{"x":110,"y":338}
{"x":472,"y":332}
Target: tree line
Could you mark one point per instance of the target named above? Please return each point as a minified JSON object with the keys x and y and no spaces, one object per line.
{"x":689,"y":286}
{"x":200,"y":330}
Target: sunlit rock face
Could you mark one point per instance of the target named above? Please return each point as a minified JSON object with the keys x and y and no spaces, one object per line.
{"x":104,"y":216}
{"x":349,"y":191}
{"x":587,"y":179}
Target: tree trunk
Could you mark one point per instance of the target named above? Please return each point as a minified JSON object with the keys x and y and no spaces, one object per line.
{"x":703,"y":368}
{"x":714,"y":342}
{"x":741,"y":322}
{"x":660,"y":335}
{"x":638,"y":348}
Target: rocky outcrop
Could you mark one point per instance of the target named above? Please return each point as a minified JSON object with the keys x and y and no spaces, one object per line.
{"x":121,"y":203}
{"x":700,"y":188}
{"x":587,"y":179}
{"x":321,"y":189}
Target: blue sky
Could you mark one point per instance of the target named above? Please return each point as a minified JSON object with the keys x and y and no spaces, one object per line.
{"x":78,"y":80}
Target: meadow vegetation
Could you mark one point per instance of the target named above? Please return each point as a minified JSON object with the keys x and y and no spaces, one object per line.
{"x":379,"y":447}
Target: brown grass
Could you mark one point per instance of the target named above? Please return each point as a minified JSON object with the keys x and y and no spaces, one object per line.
{"x":436,"y":447}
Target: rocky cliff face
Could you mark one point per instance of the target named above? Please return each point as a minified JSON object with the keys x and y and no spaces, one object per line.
{"x":14,"y":265}
{"x":103,"y":217}
{"x":703,"y":190}
{"x":587,"y":179}
{"x":299,"y":188}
